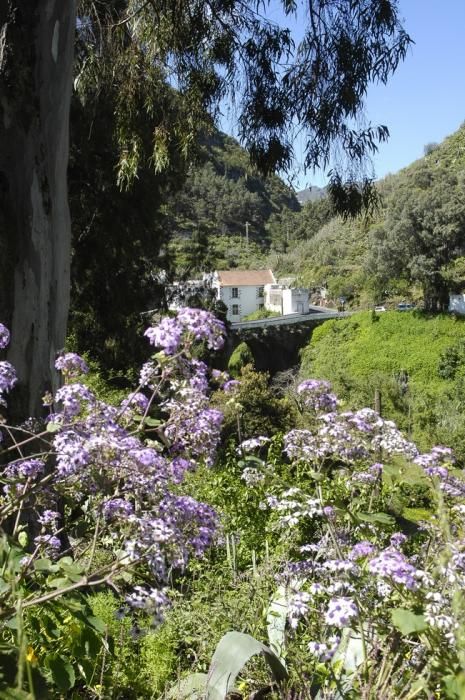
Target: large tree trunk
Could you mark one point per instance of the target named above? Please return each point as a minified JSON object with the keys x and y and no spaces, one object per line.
{"x":36,"y":60}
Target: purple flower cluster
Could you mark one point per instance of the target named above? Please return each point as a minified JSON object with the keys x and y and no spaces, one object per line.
{"x":392,"y":565}
{"x":252,"y":444}
{"x":71,"y":365}
{"x":4,"y":336}
{"x":324,"y":651}
{"x":74,"y":398}
{"x":8,"y":376}
{"x":24,"y":469}
{"x":436,"y":465}
{"x":361,"y":550}
{"x":135,"y":404}
{"x":193,"y":428}
{"x":153,"y":601}
{"x":117,"y":508}
{"x":316,"y":395}
{"x":341,"y":612}
{"x":197,"y":324}
{"x":293,"y":506}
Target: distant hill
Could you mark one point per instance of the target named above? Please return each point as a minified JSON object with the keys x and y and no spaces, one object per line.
{"x":221,"y":216}
{"x":311,"y":194}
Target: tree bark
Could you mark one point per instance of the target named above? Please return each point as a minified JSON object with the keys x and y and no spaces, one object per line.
{"x":36,"y":61}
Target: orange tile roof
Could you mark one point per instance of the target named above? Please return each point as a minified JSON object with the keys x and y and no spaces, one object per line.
{"x":244,"y":278}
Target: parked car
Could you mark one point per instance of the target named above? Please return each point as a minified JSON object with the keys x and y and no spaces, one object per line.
{"x":404,"y":306}
{"x":380,"y":308}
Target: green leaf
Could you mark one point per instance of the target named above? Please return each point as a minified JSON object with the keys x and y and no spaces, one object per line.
{"x":232,"y":653}
{"x":276,"y":622}
{"x":455,"y":686}
{"x":23,"y":538}
{"x":12,"y":623}
{"x":44,"y":565}
{"x":91,"y":642}
{"x":86,"y":669}
{"x":62,"y":672}
{"x":416,"y":515}
{"x":53,"y":427}
{"x":407,"y":622}
{"x":14,"y":694}
{"x":382,"y":518}
{"x":59,"y":582}
{"x":97,"y":624}
{"x":152,"y":422}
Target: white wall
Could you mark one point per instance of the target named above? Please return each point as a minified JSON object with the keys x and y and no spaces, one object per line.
{"x":295,"y":301}
{"x":274,"y":298}
{"x":247,"y":300}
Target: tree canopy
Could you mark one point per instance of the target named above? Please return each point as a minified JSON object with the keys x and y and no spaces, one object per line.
{"x":211,"y":51}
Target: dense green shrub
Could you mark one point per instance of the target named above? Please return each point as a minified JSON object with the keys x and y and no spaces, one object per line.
{"x":413,"y":360}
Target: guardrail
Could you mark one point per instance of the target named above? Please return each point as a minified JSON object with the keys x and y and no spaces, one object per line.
{"x":288,"y":319}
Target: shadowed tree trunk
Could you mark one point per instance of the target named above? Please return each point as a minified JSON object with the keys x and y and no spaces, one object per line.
{"x":36,"y":60}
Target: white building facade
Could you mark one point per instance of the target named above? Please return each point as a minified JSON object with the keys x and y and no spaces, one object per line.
{"x":295,"y":301}
{"x":242,"y":291}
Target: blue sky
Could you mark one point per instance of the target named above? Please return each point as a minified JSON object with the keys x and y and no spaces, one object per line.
{"x":425,"y":99}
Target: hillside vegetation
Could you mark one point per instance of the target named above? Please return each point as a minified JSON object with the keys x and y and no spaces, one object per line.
{"x":222,"y":194}
{"x":412,"y":247}
{"x":413,"y":362}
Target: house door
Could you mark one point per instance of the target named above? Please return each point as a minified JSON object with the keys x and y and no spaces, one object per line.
{"x":300,"y":307}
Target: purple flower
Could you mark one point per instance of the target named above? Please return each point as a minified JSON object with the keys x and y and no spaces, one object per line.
{"x":50,"y":541}
{"x":25,"y":469}
{"x":316,"y":395}
{"x":230,"y":386}
{"x":203,"y":325}
{"x":8,"y":376}
{"x":398,"y":539}
{"x":341,"y":612}
{"x":48,"y":517}
{"x":394,"y":566}
{"x":71,"y":365}
{"x":4,"y":336}
{"x":117,"y":508}
{"x":74,"y":398}
{"x":149,"y":371}
{"x":361,"y":550}
{"x":136,"y":402}
{"x":179,"y":466}
{"x":297,"y":607}
{"x":197,"y":323}
{"x":166,"y":335}
{"x":323,"y":651}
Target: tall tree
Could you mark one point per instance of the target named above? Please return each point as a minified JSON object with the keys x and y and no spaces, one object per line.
{"x":422,"y":236}
{"x":36,"y":70}
{"x":204,"y":50}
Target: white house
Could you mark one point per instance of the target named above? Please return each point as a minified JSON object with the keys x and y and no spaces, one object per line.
{"x":243,"y":291}
{"x":457,"y":303}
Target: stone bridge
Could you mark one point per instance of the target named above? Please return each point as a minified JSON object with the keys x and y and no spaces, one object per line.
{"x":276,"y":342}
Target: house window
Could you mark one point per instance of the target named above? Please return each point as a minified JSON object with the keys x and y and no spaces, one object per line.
{"x":235,"y":309}
{"x":235,"y":292}
{"x":260,"y":292}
